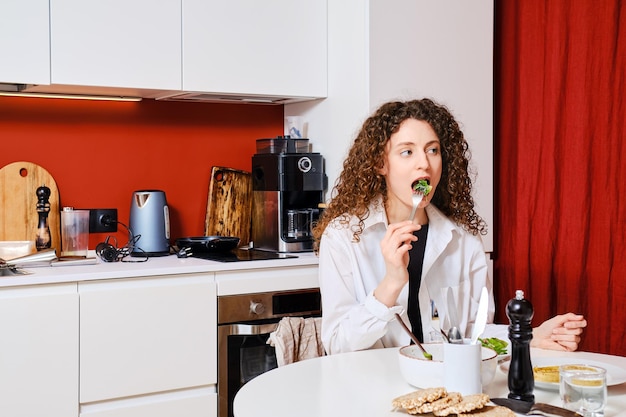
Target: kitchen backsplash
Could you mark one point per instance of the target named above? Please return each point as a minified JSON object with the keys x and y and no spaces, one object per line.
{"x":100,"y":152}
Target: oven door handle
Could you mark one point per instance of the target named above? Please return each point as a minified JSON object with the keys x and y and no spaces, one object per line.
{"x":251,"y":329}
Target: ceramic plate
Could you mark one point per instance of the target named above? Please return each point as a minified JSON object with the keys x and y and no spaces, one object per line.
{"x":614,"y":374}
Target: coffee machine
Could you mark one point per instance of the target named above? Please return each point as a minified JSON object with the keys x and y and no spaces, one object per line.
{"x":288,"y":184}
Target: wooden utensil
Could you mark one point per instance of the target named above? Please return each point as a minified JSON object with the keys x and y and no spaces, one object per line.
{"x":18,"y":202}
{"x":229,"y":206}
{"x":414,"y":339}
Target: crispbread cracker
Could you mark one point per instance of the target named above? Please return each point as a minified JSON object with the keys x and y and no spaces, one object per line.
{"x":417,"y":398}
{"x":490,"y":411}
{"x":444,"y":402}
{"x":469,"y":403}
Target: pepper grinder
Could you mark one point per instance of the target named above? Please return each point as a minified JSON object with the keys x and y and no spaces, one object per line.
{"x":521,"y":380}
{"x":44,"y":240}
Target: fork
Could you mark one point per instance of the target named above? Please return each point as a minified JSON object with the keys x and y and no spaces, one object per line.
{"x":417,"y":199}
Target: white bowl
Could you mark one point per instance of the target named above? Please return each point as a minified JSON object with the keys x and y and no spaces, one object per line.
{"x":11,"y":249}
{"x":423,"y":373}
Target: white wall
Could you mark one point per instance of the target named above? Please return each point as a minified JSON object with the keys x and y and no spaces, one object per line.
{"x":381,"y":50}
{"x":334,"y":121}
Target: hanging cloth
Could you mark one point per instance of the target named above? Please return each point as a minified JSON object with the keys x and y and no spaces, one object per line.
{"x":297,"y":339}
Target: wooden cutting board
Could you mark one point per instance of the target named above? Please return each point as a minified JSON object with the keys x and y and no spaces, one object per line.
{"x":18,"y":203}
{"x":229,"y":206}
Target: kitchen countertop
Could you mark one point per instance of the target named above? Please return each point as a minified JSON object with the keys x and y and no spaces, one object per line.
{"x":270,"y":275}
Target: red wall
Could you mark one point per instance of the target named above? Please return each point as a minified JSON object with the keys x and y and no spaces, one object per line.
{"x":100,"y":152}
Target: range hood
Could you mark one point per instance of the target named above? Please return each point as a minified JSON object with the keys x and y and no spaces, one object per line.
{"x":161,"y":95}
{"x":72,"y":92}
{"x":232,"y":98}
{"x":11,"y":88}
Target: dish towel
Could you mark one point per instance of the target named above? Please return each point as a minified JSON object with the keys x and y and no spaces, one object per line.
{"x":296,"y":339}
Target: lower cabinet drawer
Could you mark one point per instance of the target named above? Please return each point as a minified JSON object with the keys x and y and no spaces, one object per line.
{"x":191,"y":403}
{"x":147,"y":335}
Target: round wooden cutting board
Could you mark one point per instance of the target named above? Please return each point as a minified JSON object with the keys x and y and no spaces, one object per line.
{"x":18,"y":203}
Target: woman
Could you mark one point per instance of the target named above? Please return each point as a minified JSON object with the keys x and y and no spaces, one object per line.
{"x":369,"y":249}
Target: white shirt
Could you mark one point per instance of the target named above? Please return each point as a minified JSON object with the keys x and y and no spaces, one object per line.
{"x":352,"y":318}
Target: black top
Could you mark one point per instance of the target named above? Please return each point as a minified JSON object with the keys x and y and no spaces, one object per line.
{"x":416,"y":262}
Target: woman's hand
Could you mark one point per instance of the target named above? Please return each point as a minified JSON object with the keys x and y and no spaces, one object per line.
{"x":396,"y":244}
{"x":561,"y":332}
{"x":395,"y":247}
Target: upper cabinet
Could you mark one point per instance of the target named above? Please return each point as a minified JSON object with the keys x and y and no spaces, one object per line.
{"x":25,"y":42}
{"x":266,"y":48}
{"x":116,"y":43}
{"x":169,"y":49}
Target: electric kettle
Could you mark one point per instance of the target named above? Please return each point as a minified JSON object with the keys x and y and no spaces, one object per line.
{"x":150,"y":223}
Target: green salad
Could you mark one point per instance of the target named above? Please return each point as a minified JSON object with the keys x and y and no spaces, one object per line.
{"x":496,"y":344}
{"x":422,"y":186}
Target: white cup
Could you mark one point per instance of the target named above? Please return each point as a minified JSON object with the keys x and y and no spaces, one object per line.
{"x":74,"y":232}
{"x":461,"y":364}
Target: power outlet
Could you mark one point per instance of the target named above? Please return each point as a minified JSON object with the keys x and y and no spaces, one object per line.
{"x":102,"y":220}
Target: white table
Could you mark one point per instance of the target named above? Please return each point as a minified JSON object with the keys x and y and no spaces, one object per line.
{"x":364,"y":384}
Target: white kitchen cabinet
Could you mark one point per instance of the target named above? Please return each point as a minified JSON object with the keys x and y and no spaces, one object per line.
{"x":190,"y":403}
{"x":147,"y":338}
{"x":116,"y":43}
{"x":170,"y":49}
{"x":39,"y":351}
{"x":263,"y":48}
{"x":25,"y":41}
{"x":267,"y":280}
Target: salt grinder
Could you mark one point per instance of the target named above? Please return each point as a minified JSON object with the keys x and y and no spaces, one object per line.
{"x":44,"y":240}
{"x":521,"y":380}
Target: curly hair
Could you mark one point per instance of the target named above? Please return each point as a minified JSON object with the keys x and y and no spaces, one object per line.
{"x":360,"y":182}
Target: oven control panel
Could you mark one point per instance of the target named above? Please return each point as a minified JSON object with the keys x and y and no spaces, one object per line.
{"x":270,"y":305}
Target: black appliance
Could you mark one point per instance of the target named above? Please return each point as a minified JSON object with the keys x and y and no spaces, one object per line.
{"x":244,"y":324}
{"x":222,"y":249}
{"x":288,"y":190}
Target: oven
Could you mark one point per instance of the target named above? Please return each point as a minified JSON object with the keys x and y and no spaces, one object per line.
{"x":244,"y":323}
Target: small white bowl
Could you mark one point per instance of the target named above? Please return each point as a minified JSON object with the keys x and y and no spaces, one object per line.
{"x":423,"y":373}
{"x":11,"y":249}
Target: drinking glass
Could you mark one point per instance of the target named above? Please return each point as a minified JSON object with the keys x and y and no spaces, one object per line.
{"x":74,"y":232}
{"x":583,"y":389}
{"x":435,"y":336}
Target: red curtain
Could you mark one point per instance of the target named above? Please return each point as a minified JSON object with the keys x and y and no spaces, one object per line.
{"x":560,"y":162}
